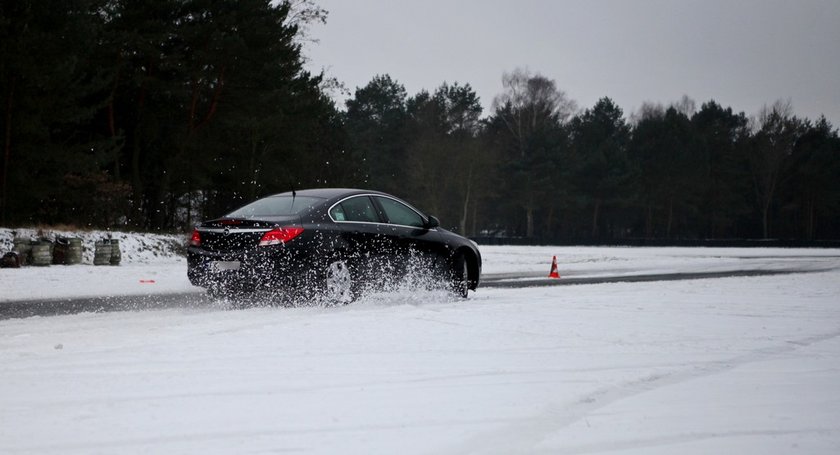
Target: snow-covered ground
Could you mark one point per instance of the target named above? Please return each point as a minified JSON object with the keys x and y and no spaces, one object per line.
{"x":730,"y":365}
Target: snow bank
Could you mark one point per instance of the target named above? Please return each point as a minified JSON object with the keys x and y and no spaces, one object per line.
{"x":151,"y":264}
{"x":136,"y":248}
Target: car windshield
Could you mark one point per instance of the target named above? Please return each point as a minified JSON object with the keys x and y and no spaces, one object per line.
{"x":275,"y":206}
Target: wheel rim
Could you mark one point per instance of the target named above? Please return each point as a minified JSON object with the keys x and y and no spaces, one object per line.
{"x":465,"y":273}
{"x":339,"y":282}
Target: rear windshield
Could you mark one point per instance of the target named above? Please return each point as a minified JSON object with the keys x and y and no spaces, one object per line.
{"x":275,"y":206}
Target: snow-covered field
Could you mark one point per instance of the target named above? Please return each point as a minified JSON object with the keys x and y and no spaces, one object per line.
{"x":730,"y":365}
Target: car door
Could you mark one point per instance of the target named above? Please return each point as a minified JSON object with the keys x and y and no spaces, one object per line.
{"x":360,"y":221}
{"x":413,"y":244}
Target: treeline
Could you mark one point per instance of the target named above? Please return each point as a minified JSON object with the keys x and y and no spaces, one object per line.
{"x":538,"y":167}
{"x":154,"y":114}
{"x":146,"y":114}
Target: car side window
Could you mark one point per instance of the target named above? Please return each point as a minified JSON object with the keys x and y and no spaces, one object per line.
{"x":399,"y":213}
{"x":337,"y":213}
{"x":358,"y":209}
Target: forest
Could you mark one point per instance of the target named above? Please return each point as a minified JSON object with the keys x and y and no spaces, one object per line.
{"x":153,"y":115}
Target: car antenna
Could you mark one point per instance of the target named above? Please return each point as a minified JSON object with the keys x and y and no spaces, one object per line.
{"x":291,"y":181}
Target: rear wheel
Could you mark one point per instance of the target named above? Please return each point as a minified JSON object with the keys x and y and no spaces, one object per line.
{"x":339,"y":284}
{"x":460,"y":276}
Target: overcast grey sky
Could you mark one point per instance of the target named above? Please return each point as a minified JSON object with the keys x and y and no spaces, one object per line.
{"x":742,"y":53}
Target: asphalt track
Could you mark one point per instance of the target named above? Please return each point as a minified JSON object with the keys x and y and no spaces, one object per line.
{"x":198,"y":299}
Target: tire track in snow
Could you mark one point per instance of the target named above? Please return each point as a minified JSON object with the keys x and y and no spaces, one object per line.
{"x":524,"y":435}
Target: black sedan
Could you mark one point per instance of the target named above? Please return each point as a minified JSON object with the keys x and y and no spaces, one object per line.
{"x":329,"y":244}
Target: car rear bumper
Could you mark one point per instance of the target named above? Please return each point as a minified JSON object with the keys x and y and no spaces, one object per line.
{"x":261,"y":268}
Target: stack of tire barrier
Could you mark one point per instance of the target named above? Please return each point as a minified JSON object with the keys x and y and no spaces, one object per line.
{"x":67,"y":251}
{"x":22,"y":247}
{"x":43,"y":252}
{"x":107,"y":252}
{"x":10,"y":260}
{"x":29,"y":252}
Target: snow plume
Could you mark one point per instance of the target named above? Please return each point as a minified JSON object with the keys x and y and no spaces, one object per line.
{"x":413,"y":281}
{"x":388,"y":281}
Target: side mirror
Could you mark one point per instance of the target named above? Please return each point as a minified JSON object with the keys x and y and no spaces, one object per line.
{"x":432,"y":223}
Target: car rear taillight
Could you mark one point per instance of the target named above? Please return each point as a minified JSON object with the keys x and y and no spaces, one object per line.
{"x":280,"y":235}
{"x":195,"y":240}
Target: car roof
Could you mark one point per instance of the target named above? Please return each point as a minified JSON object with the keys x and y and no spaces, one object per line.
{"x":329,"y":193}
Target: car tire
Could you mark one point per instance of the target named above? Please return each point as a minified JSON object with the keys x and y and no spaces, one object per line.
{"x":339,"y":284}
{"x":459,"y":284}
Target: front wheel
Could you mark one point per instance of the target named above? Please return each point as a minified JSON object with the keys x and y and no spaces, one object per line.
{"x":460,"y":277}
{"x":338,"y":288}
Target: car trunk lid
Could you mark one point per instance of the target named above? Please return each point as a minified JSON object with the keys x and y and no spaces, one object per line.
{"x":235,"y":234}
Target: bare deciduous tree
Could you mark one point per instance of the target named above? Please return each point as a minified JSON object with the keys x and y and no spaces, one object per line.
{"x":532,"y":101}
{"x":302,"y":13}
{"x":532,"y":109}
{"x":685,"y":106}
{"x":773,"y":143}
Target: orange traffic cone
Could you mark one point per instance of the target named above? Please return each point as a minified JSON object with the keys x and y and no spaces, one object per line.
{"x":553,"y":273}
